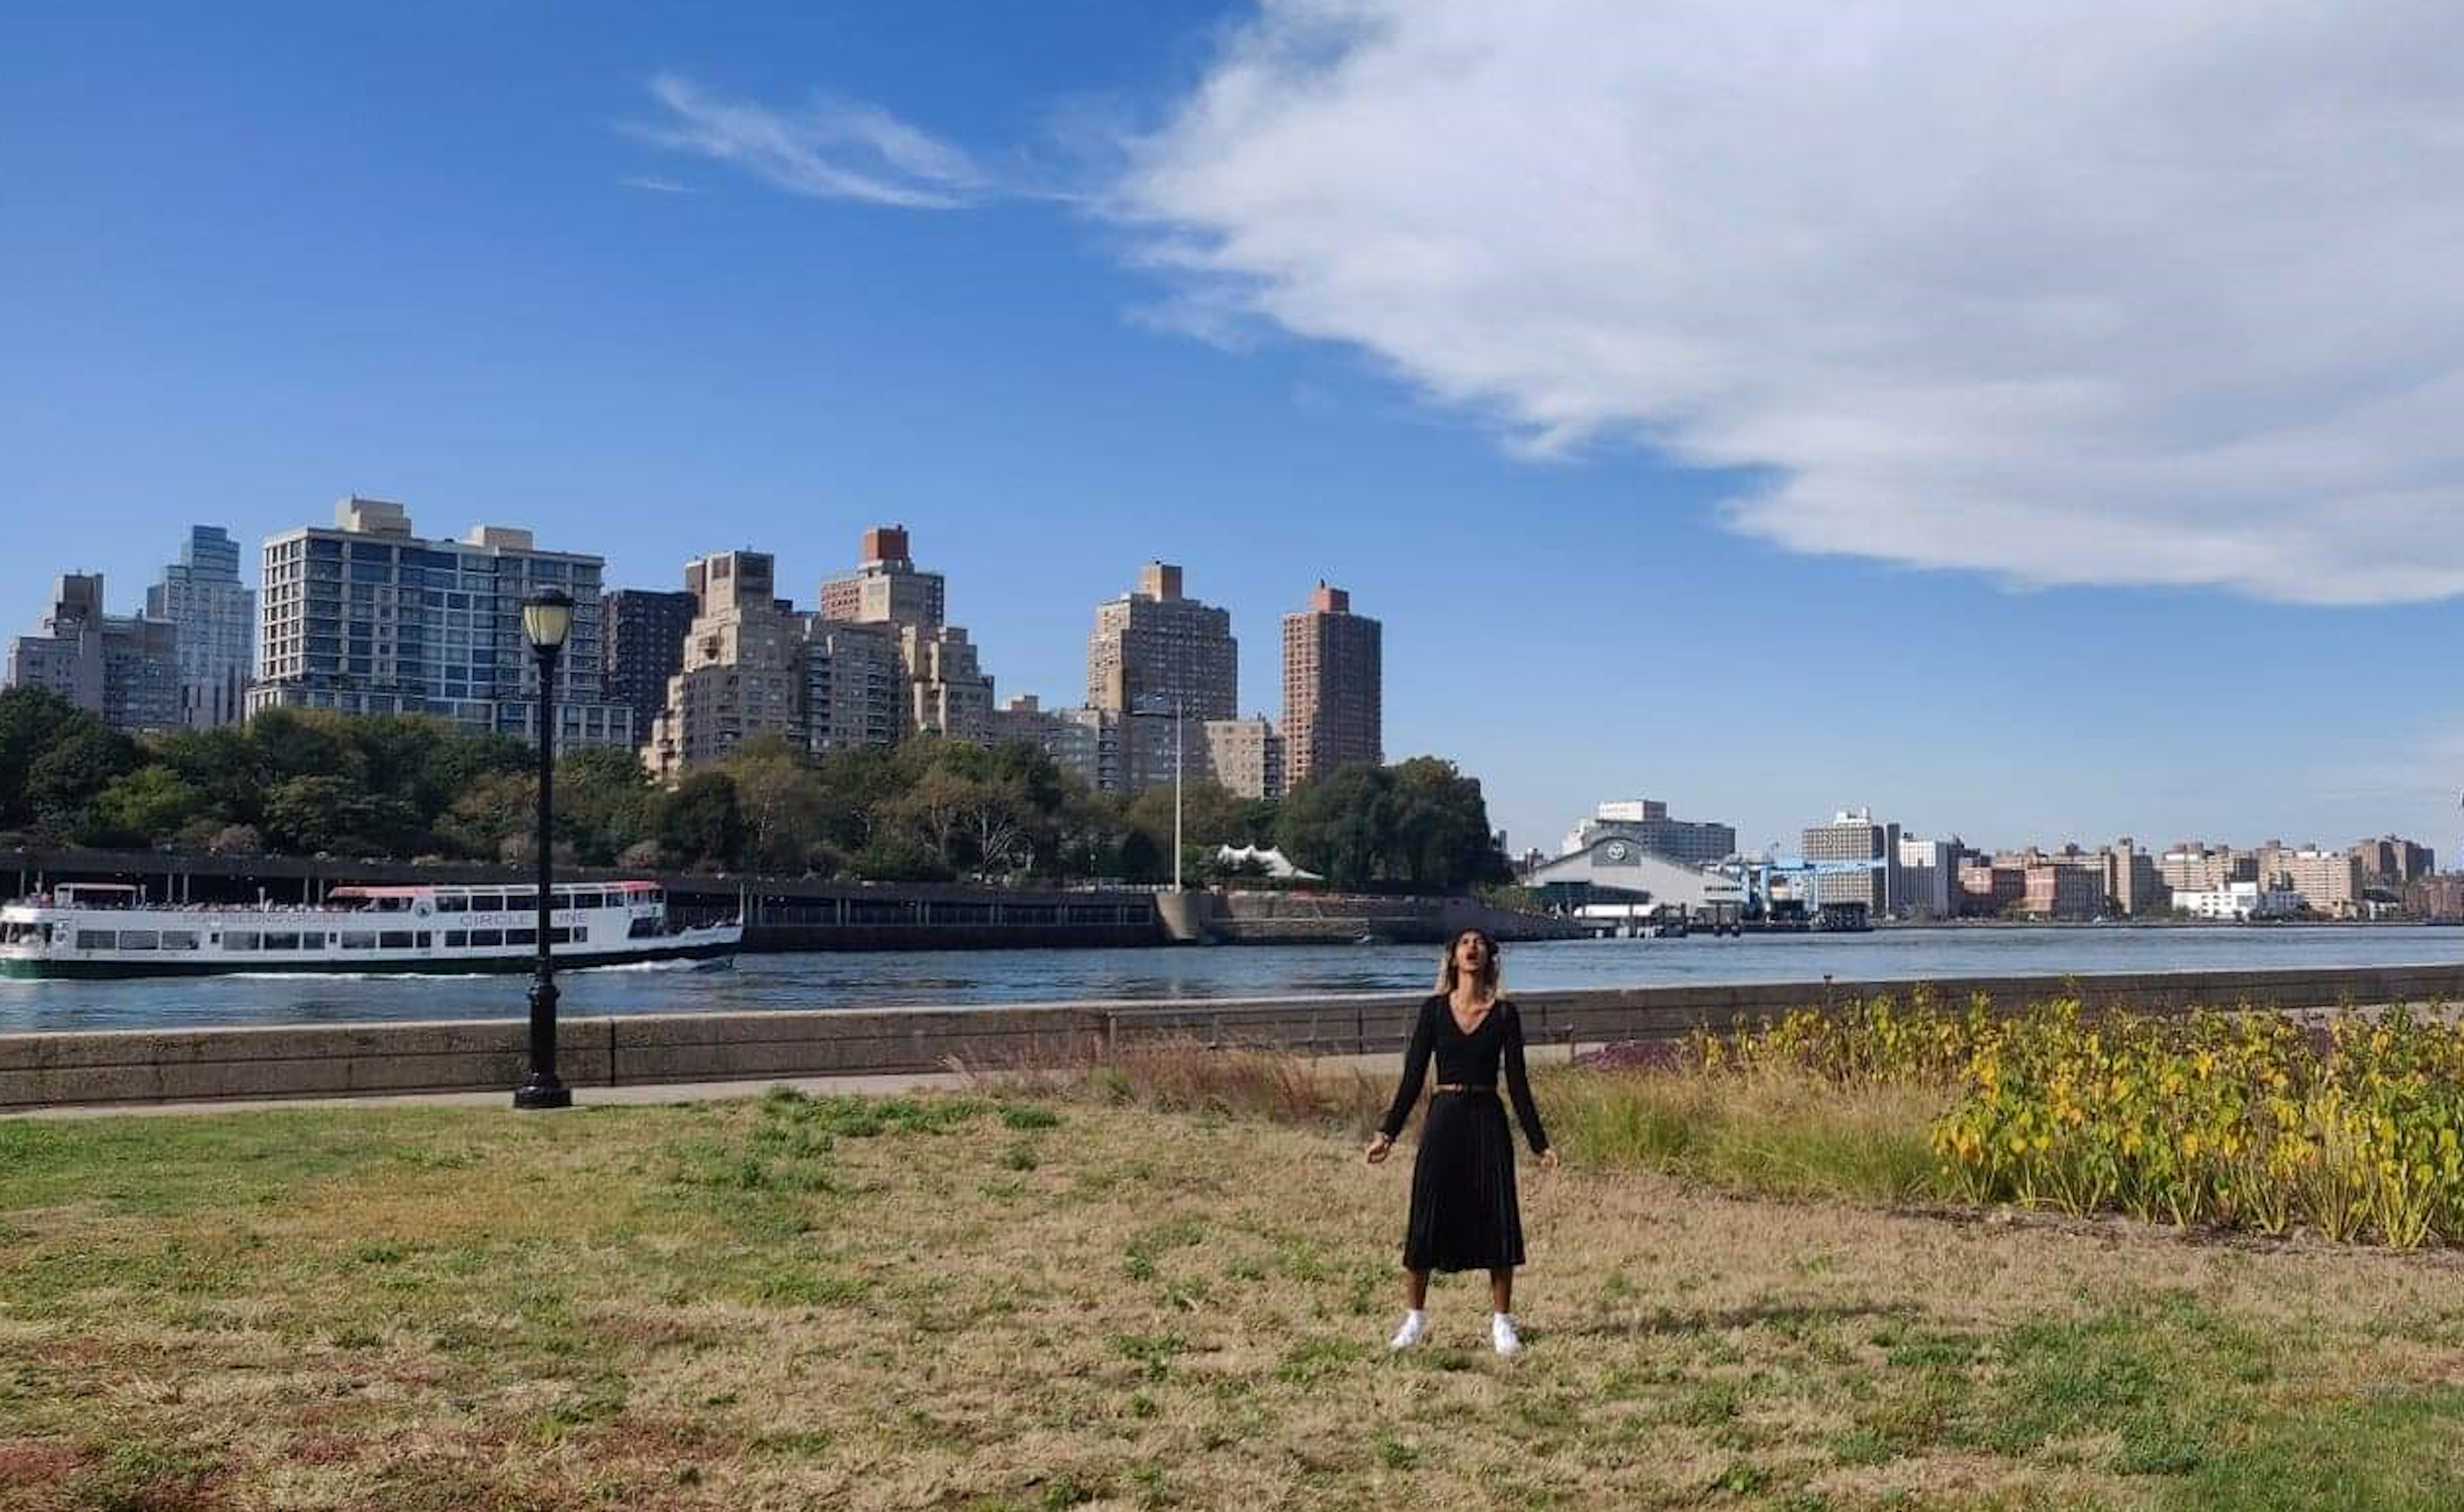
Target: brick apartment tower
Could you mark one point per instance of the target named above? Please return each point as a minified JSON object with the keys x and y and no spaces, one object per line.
{"x":1157,"y":649}
{"x":947,"y":691}
{"x":1334,"y":687}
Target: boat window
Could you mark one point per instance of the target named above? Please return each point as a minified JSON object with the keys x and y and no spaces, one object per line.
{"x":392,"y":905}
{"x":239,"y":939}
{"x":456,"y":939}
{"x":179,"y":939}
{"x":452,"y":903}
{"x":644,"y":929}
{"x":95,"y":939}
{"x":487,"y":937}
{"x":359,"y":939}
{"x":283,"y":942}
{"x":138,"y":940}
{"x":425,"y":939}
{"x":520,"y":902}
{"x":395,"y":939}
{"x":590,"y":900}
{"x":487,"y":903}
{"x":522,"y":936}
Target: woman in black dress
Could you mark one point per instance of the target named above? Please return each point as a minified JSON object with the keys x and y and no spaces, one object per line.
{"x":1463,"y":1210}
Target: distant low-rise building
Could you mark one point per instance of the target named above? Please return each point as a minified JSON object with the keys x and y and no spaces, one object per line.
{"x":1645,"y":822}
{"x":2240,"y":901}
{"x":2438,"y":896}
{"x":1988,"y":890}
{"x":1853,"y":835}
{"x":2057,"y":887}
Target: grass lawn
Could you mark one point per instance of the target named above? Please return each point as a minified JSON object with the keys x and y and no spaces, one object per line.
{"x":979,"y":1302}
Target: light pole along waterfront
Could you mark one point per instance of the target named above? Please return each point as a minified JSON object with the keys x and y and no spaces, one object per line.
{"x":547,"y":619}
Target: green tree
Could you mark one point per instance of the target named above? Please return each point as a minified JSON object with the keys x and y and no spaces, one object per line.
{"x":309,"y":814}
{"x":150,"y":804}
{"x":492,"y":817}
{"x":784,"y":803}
{"x":605,"y":804}
{"x":221,"y":763}
{"x":81,"y":759}
{"x":702,"y":821}
{"x":31,"y":720}
{"x":1440,"y":840}
{"x":1340,"y":826}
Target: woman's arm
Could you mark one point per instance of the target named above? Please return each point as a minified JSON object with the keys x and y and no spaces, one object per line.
{"x":1518,"y":1081}
{"x":1416,"y":1068}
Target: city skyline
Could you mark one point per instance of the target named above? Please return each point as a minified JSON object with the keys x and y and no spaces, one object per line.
{"x":574,"y":303}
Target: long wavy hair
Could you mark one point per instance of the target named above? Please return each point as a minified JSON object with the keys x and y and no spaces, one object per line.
{"x":1492,"y":974}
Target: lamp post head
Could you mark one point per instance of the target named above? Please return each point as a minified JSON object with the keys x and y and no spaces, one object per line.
{"x":547,"y":619}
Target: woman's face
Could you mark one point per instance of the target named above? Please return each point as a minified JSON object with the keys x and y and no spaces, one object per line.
{"x":1471,"y":954}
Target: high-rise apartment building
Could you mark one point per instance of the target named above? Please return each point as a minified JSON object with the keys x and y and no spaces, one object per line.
{"x":1160,"y":650}
{"x":2328,"y":882}
{"x":1334,"y":689}
{"x":216,"y":618}
{"x":2393,"y":861}
{"x":2192,"y":867}
{"x":855,"y":689}
{"x":367,"y":617}
{"x":743,"y":672}
{"x":1929,"y":877}
{"x":1852,"y":836}
{"x":885,"y":587}
{"x":947,"y":691}
{"x":646,"y":630}
{"x":124,"y":668}
{"x":2133,"y":882}
{"x":1244,"y":756}
{"x":1645,"y":822}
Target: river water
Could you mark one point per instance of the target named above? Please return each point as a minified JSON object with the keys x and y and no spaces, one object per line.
{"x":960,"y":978}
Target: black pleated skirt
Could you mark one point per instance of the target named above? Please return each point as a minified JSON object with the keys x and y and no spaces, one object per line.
{"x":1463,"y":1211}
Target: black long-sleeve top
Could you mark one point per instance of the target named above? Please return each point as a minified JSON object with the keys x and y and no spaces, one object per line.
{"x":1467,"y":1059}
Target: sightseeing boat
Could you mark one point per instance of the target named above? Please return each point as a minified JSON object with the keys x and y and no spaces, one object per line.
{"x":109,"y":930}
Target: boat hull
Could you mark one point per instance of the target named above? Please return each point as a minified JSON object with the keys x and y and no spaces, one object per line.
{"x":376,"y":966}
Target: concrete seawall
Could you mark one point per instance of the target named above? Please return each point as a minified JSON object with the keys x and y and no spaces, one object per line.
{"x":137,"y":1067}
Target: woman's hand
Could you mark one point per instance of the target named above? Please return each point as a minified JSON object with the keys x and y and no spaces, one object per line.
{"x":1378,"y":1146}
{"x":1548,"y":1158}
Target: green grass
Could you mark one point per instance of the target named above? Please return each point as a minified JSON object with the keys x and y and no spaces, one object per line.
{"x":795,"y":1301}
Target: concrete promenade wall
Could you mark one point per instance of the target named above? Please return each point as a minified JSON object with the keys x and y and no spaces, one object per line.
{"x":128,"y":1066}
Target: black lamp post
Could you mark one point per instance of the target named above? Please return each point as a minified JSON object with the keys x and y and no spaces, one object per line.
{"x":547,"y":617}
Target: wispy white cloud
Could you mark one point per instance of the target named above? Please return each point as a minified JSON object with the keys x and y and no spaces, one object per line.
{"x":828,"y":149}
{"x":658,"y":185}
{"x":2109,"y":292}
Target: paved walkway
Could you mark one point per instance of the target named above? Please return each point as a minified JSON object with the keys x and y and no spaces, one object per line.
{"x":1390,"y":1064}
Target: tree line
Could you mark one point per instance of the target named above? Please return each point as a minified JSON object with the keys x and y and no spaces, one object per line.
{"x":311,"y":782}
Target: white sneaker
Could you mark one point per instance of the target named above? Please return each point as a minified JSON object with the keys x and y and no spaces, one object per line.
{"x":1416,"y":1322}
{"x":1502,"y":1334}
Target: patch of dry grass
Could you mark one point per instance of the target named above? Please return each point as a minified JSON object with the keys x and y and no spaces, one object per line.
{"x":984,"y":1302}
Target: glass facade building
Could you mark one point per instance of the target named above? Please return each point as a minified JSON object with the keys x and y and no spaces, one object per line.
{"x":216,"y":615}
{"x":366,"y":618}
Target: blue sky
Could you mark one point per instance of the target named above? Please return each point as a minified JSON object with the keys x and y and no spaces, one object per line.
{"x":1650,"y":505}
